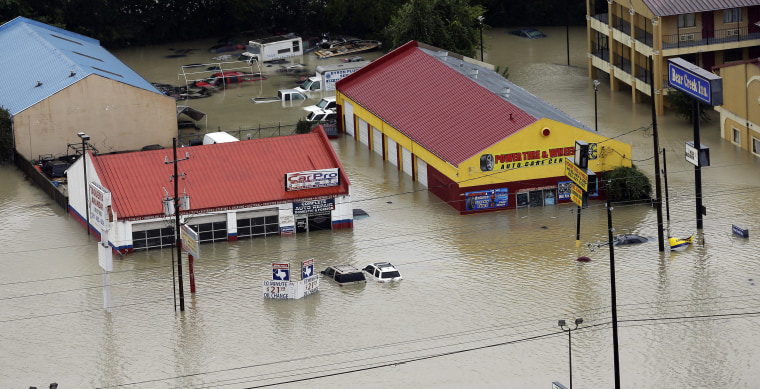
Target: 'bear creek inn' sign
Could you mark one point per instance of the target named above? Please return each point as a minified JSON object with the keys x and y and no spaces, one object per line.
{"x":695,"y":81}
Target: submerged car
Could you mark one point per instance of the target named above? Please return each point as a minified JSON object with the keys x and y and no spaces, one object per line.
{"x":530,"y":33}
{"x":322,"y":116}
{"x":383,"y":272}
{"x":344,"y":274}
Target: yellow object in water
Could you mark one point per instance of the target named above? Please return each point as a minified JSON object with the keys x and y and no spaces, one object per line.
{"x":680,"y":244}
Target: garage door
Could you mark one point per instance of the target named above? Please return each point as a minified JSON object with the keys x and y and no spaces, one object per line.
{"x":422,"y":172}
{"x":348,"y":117}
{"x":258,"y":223}
{"x":210,"y":228}
{"x":152,"y":235}
{"x":406,"y":162}
{"x":377,"y":141}
{"x":363,"y":132}
{"x":392,"y":152}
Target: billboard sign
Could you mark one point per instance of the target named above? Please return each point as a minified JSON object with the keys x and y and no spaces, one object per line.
{"x":313,"y":207}
{"x":100,"y":204}
{"x":695,"y":81}
{"x":487,"y":199}
{"x":576,"y":174}
{"x":190,"y":241}
{"x":311,"y":179}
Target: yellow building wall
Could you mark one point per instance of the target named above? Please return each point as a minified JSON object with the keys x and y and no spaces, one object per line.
{"x":116,"y":116}
{"x":741,"y":107}
{"x":535,"y":156}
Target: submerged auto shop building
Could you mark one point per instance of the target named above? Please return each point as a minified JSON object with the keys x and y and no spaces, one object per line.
{"x":245,"y":189}
{"x":473,"y":138}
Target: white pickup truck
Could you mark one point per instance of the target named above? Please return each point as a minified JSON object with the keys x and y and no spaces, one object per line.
{"x":327,"y":75}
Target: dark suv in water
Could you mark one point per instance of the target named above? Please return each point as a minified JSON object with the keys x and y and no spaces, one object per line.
{"x":344,"y":274}
{"x":55,"y":168}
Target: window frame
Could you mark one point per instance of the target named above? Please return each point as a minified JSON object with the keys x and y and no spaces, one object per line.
{"x":732,"y":15}
{"x":736,"y":133}
{"x":755,"y":146}
{"x":683,"y":20}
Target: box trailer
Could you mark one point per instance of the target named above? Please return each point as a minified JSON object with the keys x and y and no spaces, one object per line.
{"x":327,"y":75}
{"x":274,"y":48}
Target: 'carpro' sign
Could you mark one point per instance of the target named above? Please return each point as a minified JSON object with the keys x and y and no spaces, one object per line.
{"x":312,"y":179}
{"x":695,"y":81}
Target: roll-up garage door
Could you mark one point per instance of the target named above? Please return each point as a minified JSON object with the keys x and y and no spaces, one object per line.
{"x":258,"y":223}
{"x":377,"y":141}
{"x":392,"y":152}
{"x":209,"y":228}
{"x":422,"y":172}
{"x":406,"y":162}
{"x":348,"y":117}
{"x":363,"y":132}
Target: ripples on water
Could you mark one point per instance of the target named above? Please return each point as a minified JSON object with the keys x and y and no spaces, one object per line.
{"x":470,"y":281}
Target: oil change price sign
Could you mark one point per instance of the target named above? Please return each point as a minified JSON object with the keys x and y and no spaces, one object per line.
{"x":279,"y":289}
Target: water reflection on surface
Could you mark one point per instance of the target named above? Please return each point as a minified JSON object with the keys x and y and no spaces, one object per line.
{"x":470,"y":282}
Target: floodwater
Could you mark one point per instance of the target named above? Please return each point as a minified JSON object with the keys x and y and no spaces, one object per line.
{"x":481,"y":295}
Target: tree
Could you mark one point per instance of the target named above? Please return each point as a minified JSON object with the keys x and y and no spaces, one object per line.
{"x":447,"y":24}
{"x":6,"y":136}
{"x":628,"y":184}
{"x":684,"y":106}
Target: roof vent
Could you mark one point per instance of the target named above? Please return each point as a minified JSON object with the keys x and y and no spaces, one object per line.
{"x":474,"y":73}
{"x":505,"y":91}
{"x":442,"y":54}
{"x":73,"y":73}
{"x":39,"y":83}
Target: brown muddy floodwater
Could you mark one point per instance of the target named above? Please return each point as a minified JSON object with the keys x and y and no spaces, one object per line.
{"x":481,"y":295}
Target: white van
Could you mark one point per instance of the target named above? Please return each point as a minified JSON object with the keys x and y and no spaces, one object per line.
{"x":324,"y":104}
{"x":218,"y":137}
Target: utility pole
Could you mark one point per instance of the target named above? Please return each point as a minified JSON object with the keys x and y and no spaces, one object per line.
{"x":176,"y":201}
{"x":610,"y":230}
{"x":656,"y":141}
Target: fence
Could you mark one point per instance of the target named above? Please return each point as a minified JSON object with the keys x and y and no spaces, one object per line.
{"x":246,"y":133}
{"x":41,"y":180}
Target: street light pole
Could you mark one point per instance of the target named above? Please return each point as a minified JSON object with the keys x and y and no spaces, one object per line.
{"x":480,"y":24}
{"x":569,"y":330}
{"x":596,"y":122}
{"x":85,"y":138}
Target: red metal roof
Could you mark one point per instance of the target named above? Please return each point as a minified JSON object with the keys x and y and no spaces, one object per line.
{"x":235,"y":174}
{"x":442,"y":110}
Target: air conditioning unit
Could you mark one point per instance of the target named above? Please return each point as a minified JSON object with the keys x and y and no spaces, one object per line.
{"x":686,"y":37}
{"x":732,"y":32}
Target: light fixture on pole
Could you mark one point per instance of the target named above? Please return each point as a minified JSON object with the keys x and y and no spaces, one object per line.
{"x":480,"y":24}
{"x":569,"y":330}
{"x":85,"y":138}
{"x":596,"y":122}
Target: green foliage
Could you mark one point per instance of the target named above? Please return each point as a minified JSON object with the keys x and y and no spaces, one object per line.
{"x":504,"y":72}
{"x":447,"y":24}
{"x":683,"y":105}
{"x":6,"y":136}
{"x":628,"y":184}
{"x":304,"y":126}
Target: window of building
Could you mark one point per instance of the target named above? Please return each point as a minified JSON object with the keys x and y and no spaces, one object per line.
{"x":733,"y":15}
{"x":258,"y":226}
{"x":537,"y":198}
{"x":737,"y":136}
{"x":755,"y":146}
{"x":152,"y":239}
{"x":732,"y":55}
{"x":210,"y":232}
{"x":687,"y":20}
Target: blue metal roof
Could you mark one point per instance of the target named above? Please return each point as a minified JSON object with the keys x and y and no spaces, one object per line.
{"x":39,"y":60}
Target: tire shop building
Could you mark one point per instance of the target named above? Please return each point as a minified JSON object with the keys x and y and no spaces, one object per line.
{"x":472,"y":137}
{"x":245,"y":189}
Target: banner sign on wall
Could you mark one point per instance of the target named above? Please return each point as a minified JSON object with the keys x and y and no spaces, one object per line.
{"x":312,"y":179}
{"x":487,"y":199}
{"x":563,"y":190}
{"x":313,"y":207}
{"x":526,"y":158}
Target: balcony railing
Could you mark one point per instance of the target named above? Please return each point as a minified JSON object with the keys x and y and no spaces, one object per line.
{"x":725,"y":35}
{"x":622,"y":63}
{"x":644,"y":36}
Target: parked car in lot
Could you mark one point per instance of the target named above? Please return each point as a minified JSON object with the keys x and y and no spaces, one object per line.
{"x":344,"y":274}
{"x":383,"y":272}
{"x":530,"y":33}
{"x":55,"y":168}
{"x":322,"y":116}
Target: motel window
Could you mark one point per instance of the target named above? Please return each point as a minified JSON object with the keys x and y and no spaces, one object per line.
{"x":737,"y":136}
{"x":687,"y":20}
{"x":733,"y":15}
{"x":732,"y":55}
{"x":755,"y":146}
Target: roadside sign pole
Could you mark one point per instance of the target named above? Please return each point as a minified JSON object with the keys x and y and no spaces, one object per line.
{"x":578,"y":229}
{"x":656,"y":141}
{"x":610,"y":230}
{"x":697,"y":168}
{"x":192,"y":272}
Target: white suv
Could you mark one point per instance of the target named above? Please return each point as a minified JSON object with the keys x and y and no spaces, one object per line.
{"x":383,"y":272}
{"x":328,"y":115}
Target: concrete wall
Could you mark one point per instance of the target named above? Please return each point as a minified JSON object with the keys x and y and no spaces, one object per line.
{"x":116,"y":116}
